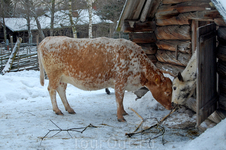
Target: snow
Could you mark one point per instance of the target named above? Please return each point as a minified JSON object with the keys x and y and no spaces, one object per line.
{"x":26,"y":112}
{"x":61,"y":19}
{"x":221,"y":7}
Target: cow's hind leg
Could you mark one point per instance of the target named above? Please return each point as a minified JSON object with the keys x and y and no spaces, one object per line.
{"x":119,"y":94}
{"x":52,"y":93}
{"x":61,"y":89}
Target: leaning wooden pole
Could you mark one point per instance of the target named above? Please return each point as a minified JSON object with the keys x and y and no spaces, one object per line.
{"x":9,"y":64}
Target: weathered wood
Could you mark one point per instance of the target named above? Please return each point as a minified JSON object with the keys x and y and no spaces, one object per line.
{"x":221,"y":68}
{"x":155,"y":5}
{"x":221,"y":53}
{"x":149,"y":48}
{"x":215,"y":116}
{"x":169,"y":68}
{"x":222,"y":86}
{"x":169,"y":57}
{"x":180,"y":1}
{"x":207,"y":96}
{"x":152,"y":58}
{"x":142,"y":37}
{"x":139,"y":26}
{"x":219,"y":21}
{"x":12,"y":56}
{"x":182,"y":7}
{"x":173,"y":33}
{"x":194,"y":27}
{"x":163,"y":19}
{"x":222,"y":102}
{"x":221,"y":34}
{"x":173,"y":45}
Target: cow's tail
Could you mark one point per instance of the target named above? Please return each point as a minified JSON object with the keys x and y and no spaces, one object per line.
{"x":42,"y":74}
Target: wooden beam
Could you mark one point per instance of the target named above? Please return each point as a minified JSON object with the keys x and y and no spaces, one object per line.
{"x":183,"y":18}
{"x":169,"y":57}
{"x":169,"y":68}
{"x":173,"y":45}
{"x":145,"y":10}
{"x":142,"y":37}
{"x":173,"y":33}
{"x":183,"y":7}
{"x":194,"y":27}
{"x":180,"y":1}
{"x":149,"y":48}
{"x":139,"y":26}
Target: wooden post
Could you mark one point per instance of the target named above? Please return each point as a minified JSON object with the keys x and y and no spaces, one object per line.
{"x":37,"y":39}
{"x":11,"y":41}
{"x":194,"y":27}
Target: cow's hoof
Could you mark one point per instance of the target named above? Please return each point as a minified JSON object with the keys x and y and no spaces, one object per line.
{"x":125,"y":113}
{"x":72,"y":112}
{"x":59,"y":113}
{"x":122,"y":120}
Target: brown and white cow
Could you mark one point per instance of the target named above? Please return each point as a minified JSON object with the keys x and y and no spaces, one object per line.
{"x":92,"y":64}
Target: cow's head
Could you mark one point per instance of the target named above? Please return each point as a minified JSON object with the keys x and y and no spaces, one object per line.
{"x":161,"y":90}
{"x":181,"y":90}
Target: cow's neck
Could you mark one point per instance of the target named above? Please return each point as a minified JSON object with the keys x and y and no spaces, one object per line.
{"x":151,"y":71}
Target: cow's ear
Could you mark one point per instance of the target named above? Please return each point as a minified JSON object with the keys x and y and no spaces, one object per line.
{"x":157,"y":79}
{"x":180,"y":77}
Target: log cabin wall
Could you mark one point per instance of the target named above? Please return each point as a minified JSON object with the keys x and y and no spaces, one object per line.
{"x":166,"y":30}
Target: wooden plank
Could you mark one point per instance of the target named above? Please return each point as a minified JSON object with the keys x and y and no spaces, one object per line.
{"x":221,"y":34}
{"x":169,"y":68}
{"x":206,"y":80}
{"x":173,"y":33}
{"x":194,"y":27}
{"x":180,"y":1}
{"x":139,"y":26}
{"x":183,"y":18}
{"x":173,"y":45}
{"x":169,"y":57}
{"x":155,"y":5}
{"x":152,"y":58}
{"x":219,"y":21}
{"x":183,"y":7}
{"x":149,"y":48}
{"x":142,"y":37}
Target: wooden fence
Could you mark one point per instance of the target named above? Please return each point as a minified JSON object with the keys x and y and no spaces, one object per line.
{"x":25,"y":59}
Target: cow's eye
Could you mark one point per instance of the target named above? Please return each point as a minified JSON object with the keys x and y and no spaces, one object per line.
{"x":174,"y":88}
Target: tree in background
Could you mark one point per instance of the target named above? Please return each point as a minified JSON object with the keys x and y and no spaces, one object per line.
{"x":110,"y":9}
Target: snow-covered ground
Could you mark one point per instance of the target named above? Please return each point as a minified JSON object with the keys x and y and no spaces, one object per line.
{"x":26,"y":111}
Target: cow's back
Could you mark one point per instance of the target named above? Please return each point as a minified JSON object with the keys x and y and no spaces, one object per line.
{"x":89,"y":62}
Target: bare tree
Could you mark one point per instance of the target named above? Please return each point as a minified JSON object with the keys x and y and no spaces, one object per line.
{"x":90,"y":4}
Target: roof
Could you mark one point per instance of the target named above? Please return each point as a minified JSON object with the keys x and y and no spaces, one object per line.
{"x":139,"y":10}
{"x":221,"y":7}
{"x":61,"y":19}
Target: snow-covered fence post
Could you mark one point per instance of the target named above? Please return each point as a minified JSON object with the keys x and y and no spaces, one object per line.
{"x":12,"y":56}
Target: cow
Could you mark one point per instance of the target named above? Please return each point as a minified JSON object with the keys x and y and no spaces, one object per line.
{"x":184,"y":84}
{"x":93,"y":64}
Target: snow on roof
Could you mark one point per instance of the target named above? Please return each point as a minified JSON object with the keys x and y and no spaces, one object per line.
{"x":61,"y":19}
{"x":221,"y":7}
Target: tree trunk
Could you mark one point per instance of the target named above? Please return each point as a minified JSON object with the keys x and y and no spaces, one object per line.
{"x":52,"y":18}
{"x":39,"y":28}
{"x":71,"y":20}
{"x":3,"y":20}
{"x":89,"y":3}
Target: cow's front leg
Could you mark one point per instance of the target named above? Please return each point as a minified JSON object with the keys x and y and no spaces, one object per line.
{"x":119,"y":94}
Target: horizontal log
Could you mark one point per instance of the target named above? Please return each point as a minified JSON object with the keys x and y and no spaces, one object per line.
{"x":221,"y":68}
{"x":169,"y":68}
{"x":221,"y":34}
{"x":132,"y":26}
{"x":170,"y":57}
{"x":142,"y":37}
{"x":183,"y":18}
{"x":173,"y":33}
{"x":219,"y":21}
{"x":149,"y":48}
{"x":152,"y":58}
{"x":172,"y":45}
{"x":221,"y":53}
{"x":182,"y":7}
{"x":180,"y":1}
{"x":222,"y":102}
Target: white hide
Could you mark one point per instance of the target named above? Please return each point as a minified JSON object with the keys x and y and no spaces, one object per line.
{"x":183,"y":89}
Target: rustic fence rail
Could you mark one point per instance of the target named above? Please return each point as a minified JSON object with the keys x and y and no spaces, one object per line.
{"x":25,"y":59}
